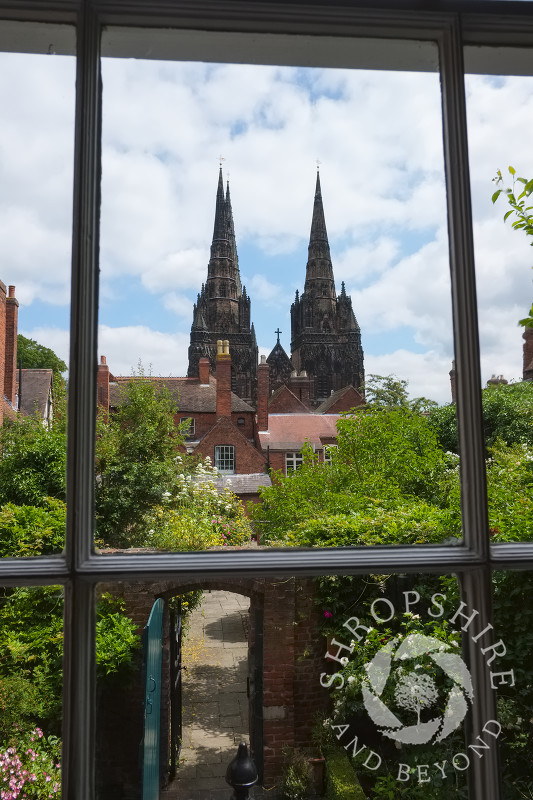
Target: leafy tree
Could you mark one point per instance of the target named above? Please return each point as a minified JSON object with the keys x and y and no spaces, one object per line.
{"x":33,"y":463}
{"x":507,"y":415}
{"x":523,"y":218}
{"x":33,"y":355}
{"x":135,"y":460}
{"x":386,"y":391}
{"x":388,"y":481}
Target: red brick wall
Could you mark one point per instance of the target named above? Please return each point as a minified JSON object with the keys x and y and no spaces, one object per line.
{"x":102,"y":383}
{"x":10,"y":366}
{"x":263,"y":390}
{"x":247,"y":458}
{"x":293,"y":658}
{"x":203,"y":422}
{"x":223,"y":385}
{"x":528,"y":354}
{"x":2,"y":342}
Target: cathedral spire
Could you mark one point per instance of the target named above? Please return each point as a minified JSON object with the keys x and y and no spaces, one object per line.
{"x":231,"y":237}
{"x":319,"y":267}
{"x":220,"y":227}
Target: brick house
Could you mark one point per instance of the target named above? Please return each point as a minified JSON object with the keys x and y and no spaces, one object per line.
{"x":220,"y":424}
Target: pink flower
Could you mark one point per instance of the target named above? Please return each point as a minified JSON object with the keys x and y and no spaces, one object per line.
{"x":328,"y":614}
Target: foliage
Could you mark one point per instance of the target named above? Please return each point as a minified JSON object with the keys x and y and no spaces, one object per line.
{"x":30,"y":769}
{"x":388,"y":481}
{"x":523,"y":218}
{"x":31,"y":647}
{"x":385,"y":391}
{"x":32,"y":355}
{"x":341,"y":780}
{"x":296,"y":777}
{"x":116,"y":638}
{"x":33,"y":463}
{"x":510,"y":492}
{"x":507,"y":415}
{"x":135,"y":452}
{"x":32,"y":530}
{"x":195,"y":516}
{"x":19,"y":701}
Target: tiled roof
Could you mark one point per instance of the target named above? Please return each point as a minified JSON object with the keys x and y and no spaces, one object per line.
{"x":188,"y":393}
{"x":353,"y":398}
{"x":290,"y":431}
{"x":243,"y":484}
{"x":36,"y":385}
{"x":283,"y":400}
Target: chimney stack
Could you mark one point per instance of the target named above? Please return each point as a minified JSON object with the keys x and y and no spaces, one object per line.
{"x":203,"y":371}
{"x":300,"y":385}
{"x":2,"y":342}
{"x":452,"y":381}
{"x":527,"y":374}
{"x":223,"y":379}
{"x":10,"y":363}
{"x":263,"y":392}
{"x":102,"y":384}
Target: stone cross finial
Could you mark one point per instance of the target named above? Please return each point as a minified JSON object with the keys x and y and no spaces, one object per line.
{"x":278,"y":333}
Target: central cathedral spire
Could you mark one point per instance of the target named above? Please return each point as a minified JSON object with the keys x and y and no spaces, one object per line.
{"x":222,"y":310}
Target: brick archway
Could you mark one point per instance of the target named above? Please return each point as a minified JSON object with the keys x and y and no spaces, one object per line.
{"x":293,"y":658}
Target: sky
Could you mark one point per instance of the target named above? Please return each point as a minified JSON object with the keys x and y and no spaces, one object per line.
{"x":377,"y":137}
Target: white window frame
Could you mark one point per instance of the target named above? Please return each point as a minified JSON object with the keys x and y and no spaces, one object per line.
{"x":190,"y":433}
{"x":225,"y":458}
{"x":293,"y":460}
{"x":209,"y":26}
{"x":326,"y":452}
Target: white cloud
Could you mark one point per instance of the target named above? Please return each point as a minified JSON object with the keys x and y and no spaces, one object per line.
{"x":427,"y":373}
{"x":266,"y":292}
{"x":160,"y":353}
{"x":378,"y":137}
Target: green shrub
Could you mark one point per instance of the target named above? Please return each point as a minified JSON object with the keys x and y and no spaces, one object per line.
{"x":341,"y":780}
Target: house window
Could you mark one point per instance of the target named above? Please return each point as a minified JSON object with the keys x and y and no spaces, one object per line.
{"x":327,"y":452}
{"x":293,"y":461}
{"x":189,"y":430}
{"x":225,"y":458}
{"x":80,"y":569}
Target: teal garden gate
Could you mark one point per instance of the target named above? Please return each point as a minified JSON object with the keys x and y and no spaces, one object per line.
{"x":153,"y":657}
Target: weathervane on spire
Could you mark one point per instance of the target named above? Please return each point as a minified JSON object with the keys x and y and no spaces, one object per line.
{"x":220,"y":160}
{"x":318,"y":163}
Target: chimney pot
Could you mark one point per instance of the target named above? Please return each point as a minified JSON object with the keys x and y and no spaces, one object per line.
{"x":103,"y":360}
{"x":11,"y":291}
{"x":263,"y":359}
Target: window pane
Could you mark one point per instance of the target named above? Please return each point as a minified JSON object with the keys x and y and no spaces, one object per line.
{"x":303,"y":274}
{"x":365,"y":672}
{"x":36,"y":137}
{"x":31,"y":633}
{"x":499,"y":106}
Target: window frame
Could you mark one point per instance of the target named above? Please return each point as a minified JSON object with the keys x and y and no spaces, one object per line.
{"x":191,"y":431}
{"x":296,"y":458}
{"x":468,"y":22}
{"x":229,"y":450}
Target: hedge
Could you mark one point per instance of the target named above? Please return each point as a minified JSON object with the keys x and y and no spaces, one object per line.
{"x":341,"y":780}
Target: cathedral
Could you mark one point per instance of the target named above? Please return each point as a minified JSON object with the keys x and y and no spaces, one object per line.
{"x":326,"y":352}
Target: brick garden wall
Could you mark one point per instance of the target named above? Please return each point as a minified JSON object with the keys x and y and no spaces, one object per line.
{"x":292,"y":663}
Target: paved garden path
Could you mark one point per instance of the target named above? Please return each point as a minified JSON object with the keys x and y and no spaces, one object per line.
{"x":215,"y":704}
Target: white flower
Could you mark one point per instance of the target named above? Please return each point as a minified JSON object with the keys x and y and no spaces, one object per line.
{"x":416,"y":616}
{"x":344,"y":661}
{"x":351,"y":679}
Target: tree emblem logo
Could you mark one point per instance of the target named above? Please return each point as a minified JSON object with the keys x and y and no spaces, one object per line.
{"x":397,"y":670}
